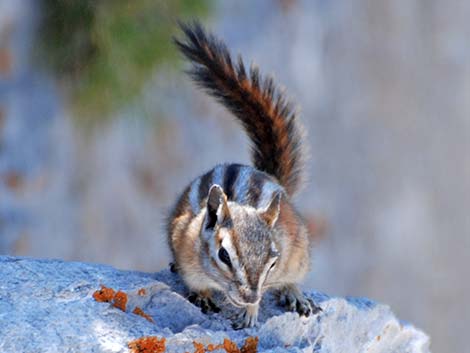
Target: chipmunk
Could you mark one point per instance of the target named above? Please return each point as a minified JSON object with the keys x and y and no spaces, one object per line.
{"x":234,"y":229}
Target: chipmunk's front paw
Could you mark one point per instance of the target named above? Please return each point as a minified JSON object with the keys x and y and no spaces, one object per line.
{"x":291,"y":298}
{"x":248,"y":317}
{"x":204,"y":302}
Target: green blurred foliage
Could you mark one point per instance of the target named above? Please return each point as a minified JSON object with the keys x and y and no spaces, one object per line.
{"x":105,"y":50}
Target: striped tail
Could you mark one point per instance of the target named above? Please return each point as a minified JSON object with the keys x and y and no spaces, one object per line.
{"x":266,"y":115}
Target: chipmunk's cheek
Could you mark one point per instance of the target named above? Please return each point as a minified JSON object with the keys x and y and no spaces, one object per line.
{"x":232,"y":292}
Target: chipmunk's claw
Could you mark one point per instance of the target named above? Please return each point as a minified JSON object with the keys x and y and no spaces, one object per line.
{"x":205,"y":303}
{"x":294,"y":300}
{"x":315,"y":308}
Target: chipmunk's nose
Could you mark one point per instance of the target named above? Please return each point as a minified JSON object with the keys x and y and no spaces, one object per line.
{"x":249,"y":295}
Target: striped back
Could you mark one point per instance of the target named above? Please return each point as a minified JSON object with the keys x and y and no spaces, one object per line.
{"x":241,"y":183}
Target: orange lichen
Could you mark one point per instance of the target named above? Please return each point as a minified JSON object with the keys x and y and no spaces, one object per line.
{"x":230,"y":346}
{"x":108,"y":295}
{"x":147,"y":344}
{"x":142,"y":292}
{"x":120,"y":300}
{"x":104,"y":294}
{"x":250,"y":345}
{"x":199,"y":347}
{"x":212,"y":347}
{"x":139,"y":311}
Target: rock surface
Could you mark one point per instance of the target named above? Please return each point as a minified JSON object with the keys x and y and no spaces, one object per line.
{"x":48,"y":306}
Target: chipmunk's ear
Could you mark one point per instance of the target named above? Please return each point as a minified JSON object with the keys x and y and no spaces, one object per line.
{"x":217,"y":208}
{"x":270,"y":214}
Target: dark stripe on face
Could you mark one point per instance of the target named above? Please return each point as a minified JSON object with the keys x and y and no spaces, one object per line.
{"x":204,"y":186}
{"x":207,"y":255}
{"x":231,"y":174}
{"x":256,"y":184}
{"x":224,"y":273}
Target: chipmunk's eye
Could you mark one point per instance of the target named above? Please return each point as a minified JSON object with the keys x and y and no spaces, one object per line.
{"x":224,"y":257}
{"x":272,"y":266}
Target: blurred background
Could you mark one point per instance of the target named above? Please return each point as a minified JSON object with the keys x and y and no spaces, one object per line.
{"x":100,"y":130}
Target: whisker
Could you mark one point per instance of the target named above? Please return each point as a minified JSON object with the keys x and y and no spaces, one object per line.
{"x":272,"y":284}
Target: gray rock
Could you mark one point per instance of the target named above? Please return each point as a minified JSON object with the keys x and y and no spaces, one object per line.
{"x":48,"y":306}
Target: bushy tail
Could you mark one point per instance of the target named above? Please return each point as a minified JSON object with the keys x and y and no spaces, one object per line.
{"x":267,"y":117}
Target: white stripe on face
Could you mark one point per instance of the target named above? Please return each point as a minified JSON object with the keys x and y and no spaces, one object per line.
{"x":265,"y":273}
